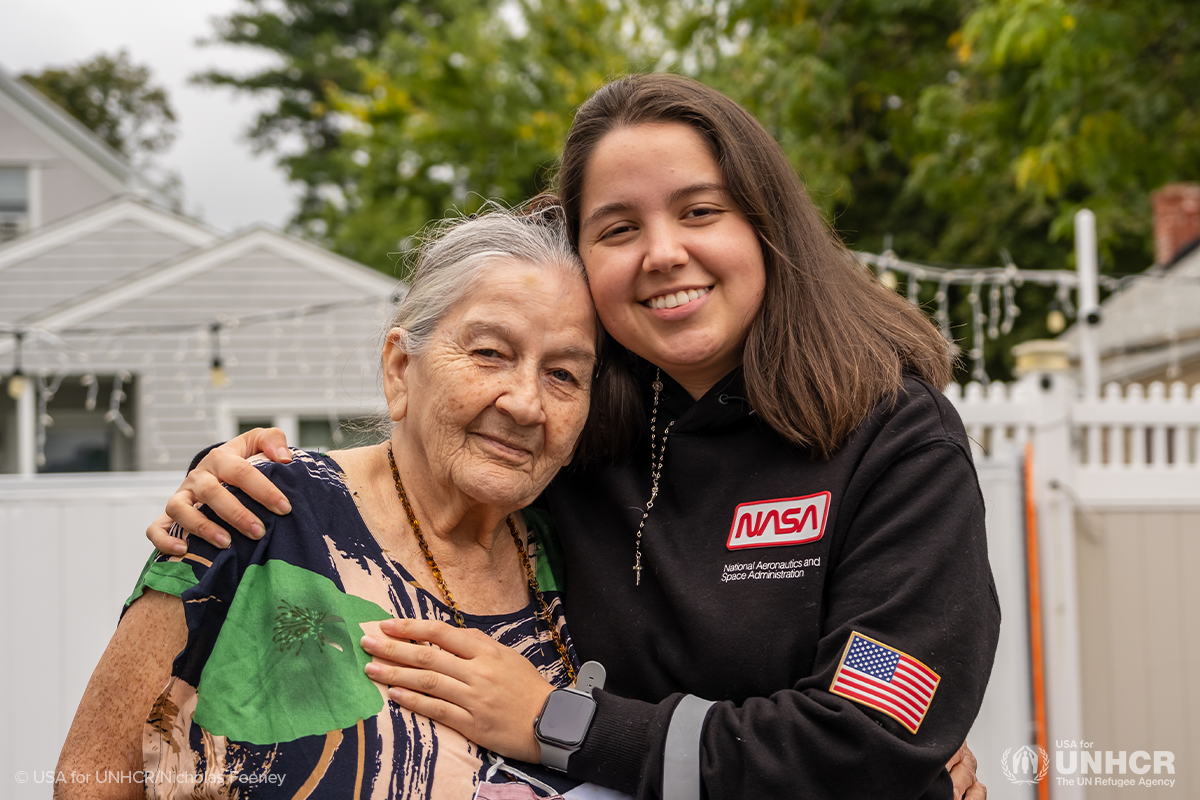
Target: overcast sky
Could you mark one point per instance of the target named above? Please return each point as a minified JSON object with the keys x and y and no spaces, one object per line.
{"x":224,"y":183}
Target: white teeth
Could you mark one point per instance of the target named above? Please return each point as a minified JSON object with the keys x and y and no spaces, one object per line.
{"x":677,"y":299}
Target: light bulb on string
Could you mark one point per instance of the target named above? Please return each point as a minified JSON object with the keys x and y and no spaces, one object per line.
{"x":217,"y":375}
{"x":17,"y":384}
{"x":1056,"y":320}
{"x":18,"y":381}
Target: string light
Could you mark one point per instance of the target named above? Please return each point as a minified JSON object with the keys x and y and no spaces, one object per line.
{"x":1000,"y":285}
{"x":16,"y":384}
{"x":217,"y":373}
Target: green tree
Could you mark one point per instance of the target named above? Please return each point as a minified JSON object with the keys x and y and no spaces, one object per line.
{"x":443,"y":105}
{"x":115,"y":99}
{"x":953,"y":129}
{"x":957,"y":129}
{"x":319,"y":46}
{"x":1062,"y":105}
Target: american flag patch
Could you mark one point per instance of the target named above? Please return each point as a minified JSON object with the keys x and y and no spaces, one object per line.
{"x":883,"y":678}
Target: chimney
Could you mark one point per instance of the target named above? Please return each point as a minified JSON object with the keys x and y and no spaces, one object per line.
{"x":1176,"y":219}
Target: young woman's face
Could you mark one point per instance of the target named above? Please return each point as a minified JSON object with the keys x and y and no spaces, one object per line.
{"x":675,"y":269}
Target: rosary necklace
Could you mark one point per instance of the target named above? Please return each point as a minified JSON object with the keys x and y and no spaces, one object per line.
{"x":657,"y":454}
{"x":441,"y":582}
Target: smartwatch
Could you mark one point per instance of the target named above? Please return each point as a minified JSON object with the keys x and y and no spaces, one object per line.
{"x":567,"y":715}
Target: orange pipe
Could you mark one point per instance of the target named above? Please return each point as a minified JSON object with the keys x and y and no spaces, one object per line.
{"x":1035,"y":618}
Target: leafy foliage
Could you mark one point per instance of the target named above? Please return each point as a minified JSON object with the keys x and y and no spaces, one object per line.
{"x":951,"y":129}
{"x":116,"y":100}
{"x":440,"y":105}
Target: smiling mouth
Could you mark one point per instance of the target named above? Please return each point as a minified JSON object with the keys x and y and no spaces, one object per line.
{"x":513,"y":452}
{"x":676,"y":299}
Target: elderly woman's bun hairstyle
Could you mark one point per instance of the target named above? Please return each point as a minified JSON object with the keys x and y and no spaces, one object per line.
{"x":453,"y":253}
{"x":828,"y":343}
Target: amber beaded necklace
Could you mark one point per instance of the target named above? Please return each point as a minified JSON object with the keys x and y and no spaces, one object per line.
{"x":544,"y":612}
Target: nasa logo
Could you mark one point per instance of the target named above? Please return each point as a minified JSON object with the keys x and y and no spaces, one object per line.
{"x":772,"y":523}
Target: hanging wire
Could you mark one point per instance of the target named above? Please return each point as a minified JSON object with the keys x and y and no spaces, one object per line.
{"x":943,"y":308}
{"x":979,"y":319}
{"x":115,"y":399}
{"x":993,"y":330}
{"x":46,"y":389}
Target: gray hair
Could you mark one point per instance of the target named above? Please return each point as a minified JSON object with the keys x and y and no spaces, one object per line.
{"x":455,"y":253}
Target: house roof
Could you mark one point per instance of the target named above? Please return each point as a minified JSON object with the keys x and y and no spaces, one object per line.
{"x":1150,"y":322}
{"x":126,"y":208}
{"x":205,"y":251}
{"x":74,"y":140}
{"x":160,"y":275}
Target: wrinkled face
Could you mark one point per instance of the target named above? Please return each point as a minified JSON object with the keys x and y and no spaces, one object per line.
{"x":495,"y":405}
{"x":675,"y":269}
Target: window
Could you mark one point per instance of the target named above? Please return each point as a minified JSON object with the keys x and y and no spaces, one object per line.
{"x":14,"y":202}
{"x":317,"y":433}
{"x":82,"y":440}
{"x":78,"y":439}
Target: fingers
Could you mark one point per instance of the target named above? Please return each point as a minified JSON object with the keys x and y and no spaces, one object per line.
{"x":397,"y":662}
{"x":460,"y":642}
{"x":957,"y":757}
{"x":159,"y":534}
{"x":271,"y":442}
{"x":962,"y":767}
{"x":977,"y":792}
{"x":433,"y":707}
{"x":226,"y":466}
{"x":181,"y":508}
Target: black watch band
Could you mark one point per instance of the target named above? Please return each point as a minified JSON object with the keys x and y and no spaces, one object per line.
{"x":561,"y":727}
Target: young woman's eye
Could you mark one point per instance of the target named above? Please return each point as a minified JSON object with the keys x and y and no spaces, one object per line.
{"x":615,"y":231}
{"x":697,"y":213}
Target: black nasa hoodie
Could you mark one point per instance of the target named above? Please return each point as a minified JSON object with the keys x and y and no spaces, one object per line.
{"x":763,"y":564}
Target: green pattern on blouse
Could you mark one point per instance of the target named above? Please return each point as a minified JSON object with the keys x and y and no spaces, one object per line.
{"x":287,"y":663}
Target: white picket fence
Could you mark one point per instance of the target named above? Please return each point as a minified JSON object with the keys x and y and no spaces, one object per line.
{"x":1131,"y":450}
{"x":72,"y":546}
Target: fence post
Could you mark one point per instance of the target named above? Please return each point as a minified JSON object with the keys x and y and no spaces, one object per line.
{"x":1052,"y":394}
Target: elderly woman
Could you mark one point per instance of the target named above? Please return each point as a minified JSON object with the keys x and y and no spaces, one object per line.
{"x":239,"y":672}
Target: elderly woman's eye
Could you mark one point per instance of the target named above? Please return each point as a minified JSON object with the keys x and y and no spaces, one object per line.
{"x":563,"y":376}
{"x":487,"y":352}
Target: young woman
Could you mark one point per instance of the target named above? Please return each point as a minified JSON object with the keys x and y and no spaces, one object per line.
{"x":787,"y":521}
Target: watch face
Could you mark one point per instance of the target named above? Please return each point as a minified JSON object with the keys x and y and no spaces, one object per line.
{"x":566,"y":718}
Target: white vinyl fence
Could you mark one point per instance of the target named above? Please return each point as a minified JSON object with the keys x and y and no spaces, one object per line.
{"x":1116,"y":483}
{"x":72,"y":548}
{"x":1116,"y":478}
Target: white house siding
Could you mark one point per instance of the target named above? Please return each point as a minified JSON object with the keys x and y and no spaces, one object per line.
{"x":31,"y":289}
{"x":66,"y":188}
{"x":308,"y":364}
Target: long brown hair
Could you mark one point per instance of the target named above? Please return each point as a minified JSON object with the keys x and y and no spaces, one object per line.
{"x":828,"y":343}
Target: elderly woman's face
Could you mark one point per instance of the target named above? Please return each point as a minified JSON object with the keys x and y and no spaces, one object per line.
{"x":496,"y":403}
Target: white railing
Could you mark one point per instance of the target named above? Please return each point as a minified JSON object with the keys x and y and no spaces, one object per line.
{"x":1132,"y":446}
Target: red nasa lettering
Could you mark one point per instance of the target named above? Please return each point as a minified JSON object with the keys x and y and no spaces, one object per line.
{"x":773,"y":523}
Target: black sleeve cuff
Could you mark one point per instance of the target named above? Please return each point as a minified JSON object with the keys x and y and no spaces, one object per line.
{"x":624,"y":747}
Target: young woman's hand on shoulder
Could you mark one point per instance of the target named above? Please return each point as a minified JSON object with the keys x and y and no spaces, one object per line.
{"x":226,"y":464}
